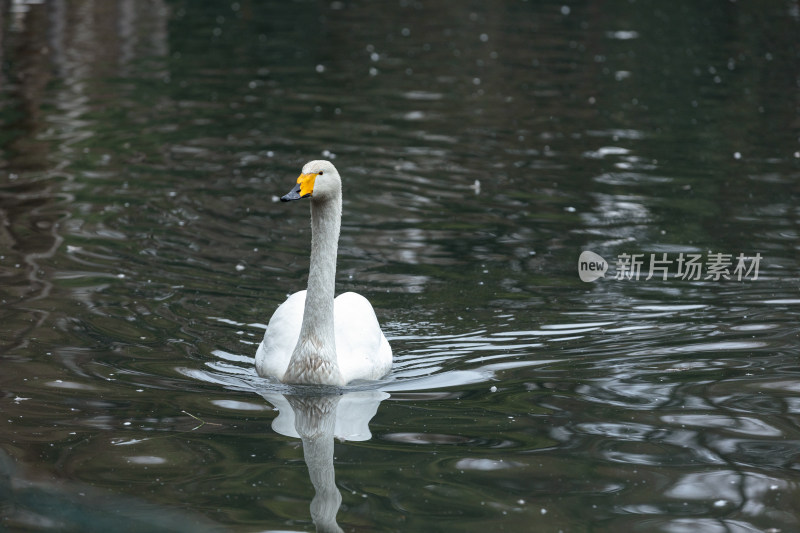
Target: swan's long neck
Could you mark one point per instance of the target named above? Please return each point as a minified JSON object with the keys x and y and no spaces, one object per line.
{"x":326,"y":217}
{"x":314,"y":357}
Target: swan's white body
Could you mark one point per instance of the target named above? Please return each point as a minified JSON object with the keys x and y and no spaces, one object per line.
{"x":313,"y":338}
{"x":362,"y":351}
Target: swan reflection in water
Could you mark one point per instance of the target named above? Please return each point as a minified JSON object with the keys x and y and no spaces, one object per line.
{"x":317,"y":415}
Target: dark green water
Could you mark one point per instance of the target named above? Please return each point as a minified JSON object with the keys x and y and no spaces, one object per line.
{"x":483,"y":147}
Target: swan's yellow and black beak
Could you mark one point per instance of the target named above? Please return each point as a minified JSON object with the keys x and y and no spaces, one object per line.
{"x":303,"y":189}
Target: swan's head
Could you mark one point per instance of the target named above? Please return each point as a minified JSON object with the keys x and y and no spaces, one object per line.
{"x":318,"y":180}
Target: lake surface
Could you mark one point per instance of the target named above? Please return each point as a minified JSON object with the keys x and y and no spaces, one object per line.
{"x":483,"y":148}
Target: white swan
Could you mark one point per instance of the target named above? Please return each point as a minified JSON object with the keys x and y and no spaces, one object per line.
{"x":313,"y":338}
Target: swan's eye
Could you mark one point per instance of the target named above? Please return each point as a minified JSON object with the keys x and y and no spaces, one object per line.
{"x":320,"y":172}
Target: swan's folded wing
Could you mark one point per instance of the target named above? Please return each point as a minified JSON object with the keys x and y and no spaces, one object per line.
{"x":281,"y":336}
{"x":362,"y":349}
